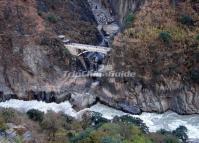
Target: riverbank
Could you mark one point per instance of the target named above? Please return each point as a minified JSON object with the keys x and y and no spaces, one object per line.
{"x":168,"y":121}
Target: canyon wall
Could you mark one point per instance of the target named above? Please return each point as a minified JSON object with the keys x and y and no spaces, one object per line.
{"x":123,"y":7}
{"x":166,"y":72}
{"x":32,"y":58}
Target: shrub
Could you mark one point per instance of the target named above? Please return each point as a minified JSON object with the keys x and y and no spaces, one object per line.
{"x":35,"y":115}
{"x":97,"y":119}
{"x":165,"y":37}
{"x":181,"y":133}
{"x":109,"y":140}
{"x":164,"y":132}
{"x":51,"y":123}
{"x":129,"y":19}
{"x":39,"y":13}
{"x":52,"y":18}
{"x":3,"y":126}
{"x":195,"y":75}
{"x":171,"y":140}
{"x":186,"y":20}
{"x":9,"y":115}
{"x":197,"y":37}
{"x":81,"y":136}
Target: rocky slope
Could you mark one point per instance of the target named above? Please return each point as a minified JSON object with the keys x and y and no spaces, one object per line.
{"x":159,"y":45}
{"x":32,"y":59}
{"x":166,"y":70}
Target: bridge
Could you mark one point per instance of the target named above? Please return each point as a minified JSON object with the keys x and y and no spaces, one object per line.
{"x":74,"y":47}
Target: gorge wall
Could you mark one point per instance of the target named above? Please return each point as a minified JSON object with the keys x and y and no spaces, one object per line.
{"x":32,"y":59}
{"x":123,"y":8}
{"x":166,"y":72}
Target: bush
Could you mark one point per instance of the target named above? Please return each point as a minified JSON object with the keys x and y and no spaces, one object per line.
{"x":35,"y":115}
{"x":52,"y":18}
{"x":9,"y":115}
{"x":181,"y":133}
{"x":195,"y":75}
{"x":171,"y":140}
{"x":109,"y":140}
{"x":164,"y":132}
{"x":97,"y":119}
{"x":197,"y":37}
{"x":51,"y":123}
{"x":3,"y":126}
{"x":186,"y":20}
{"x":165,"y":37}
{"x":129,"y":19}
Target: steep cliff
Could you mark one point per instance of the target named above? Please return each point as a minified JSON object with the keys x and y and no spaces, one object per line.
{"x":31,"y":56}
{"x":122,"y":8}
{"x":160,"y":45}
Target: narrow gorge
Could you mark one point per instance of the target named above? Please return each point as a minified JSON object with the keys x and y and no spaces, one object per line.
{"x":37,"y":70}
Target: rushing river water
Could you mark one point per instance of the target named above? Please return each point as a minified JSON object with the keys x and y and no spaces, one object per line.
{"x":169,"y":120}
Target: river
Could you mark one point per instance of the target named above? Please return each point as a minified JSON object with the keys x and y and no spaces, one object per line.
{"x":168,"y":121}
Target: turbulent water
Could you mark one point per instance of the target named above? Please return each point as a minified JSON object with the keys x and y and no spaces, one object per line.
{"x":169,"y":120}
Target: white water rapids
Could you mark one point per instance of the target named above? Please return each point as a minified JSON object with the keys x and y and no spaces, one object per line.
{"x":169,"y":120}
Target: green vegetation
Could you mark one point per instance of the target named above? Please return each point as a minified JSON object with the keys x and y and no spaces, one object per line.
{"x":9,"y":115}
{"x":195,"y":75}
{"x":112,"y":133}
{"x":129,"y":19}
{"x":197,"y":37}
{"x":181,"y":133}
{"x":130,"y":120}
{"x":186,"y":20}
{"x":165,"y":37}
{"x":52,"y":18}
{"x":35,"y":115}
{"x":3,"y":126}
{"x":57,"y":127}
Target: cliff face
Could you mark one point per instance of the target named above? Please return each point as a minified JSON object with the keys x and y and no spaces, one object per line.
{"x":123,"y":7}
{"x":166,"y":70}
{"x":31,"y":56}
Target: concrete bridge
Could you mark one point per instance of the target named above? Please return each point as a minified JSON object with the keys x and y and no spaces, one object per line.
{"x":74,"y":48}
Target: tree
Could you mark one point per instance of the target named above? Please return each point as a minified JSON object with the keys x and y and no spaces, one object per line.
{"x":51,"y":123}
{"x":131,"y":120}
{"x":181,"y":133}
{"x":97,"y":119}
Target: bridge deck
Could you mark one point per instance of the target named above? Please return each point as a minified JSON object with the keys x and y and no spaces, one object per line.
{"x":90,"y":48}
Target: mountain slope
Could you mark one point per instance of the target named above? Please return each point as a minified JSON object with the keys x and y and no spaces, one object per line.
{"x":31,"y":56}
{"x":159,"y":44}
